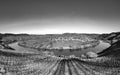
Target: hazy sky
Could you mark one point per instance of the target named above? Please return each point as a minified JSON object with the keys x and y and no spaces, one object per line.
{"x":59,"y":16}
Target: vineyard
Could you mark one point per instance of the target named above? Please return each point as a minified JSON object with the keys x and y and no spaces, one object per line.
{"x":106,"y":62}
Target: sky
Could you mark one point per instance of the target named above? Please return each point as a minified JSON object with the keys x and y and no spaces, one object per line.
{"x":59,"y":16}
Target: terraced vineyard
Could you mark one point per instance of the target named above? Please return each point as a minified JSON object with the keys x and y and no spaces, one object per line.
{"x":39,"y":64}
{"x":106,"y":62}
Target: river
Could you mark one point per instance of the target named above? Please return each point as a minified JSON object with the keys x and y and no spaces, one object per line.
{"x":20,"y":49}
{"x":102,"y":45}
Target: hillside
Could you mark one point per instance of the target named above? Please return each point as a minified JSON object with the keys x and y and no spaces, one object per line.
{"x":111,"y":38}
{"x":113,"y":50}
{"x":106,"y":63}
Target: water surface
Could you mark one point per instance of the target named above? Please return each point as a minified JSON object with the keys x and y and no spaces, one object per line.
{"x":102,"y":45}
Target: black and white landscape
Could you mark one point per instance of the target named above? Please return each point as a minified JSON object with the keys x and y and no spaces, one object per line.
{"x":59,"y":37}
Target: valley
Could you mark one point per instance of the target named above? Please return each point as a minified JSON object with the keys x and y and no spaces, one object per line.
{"x":63,"y":54}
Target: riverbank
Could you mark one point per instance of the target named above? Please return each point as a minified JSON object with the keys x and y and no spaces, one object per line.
{"x":102,"y":45}
{"x":19,"y":49}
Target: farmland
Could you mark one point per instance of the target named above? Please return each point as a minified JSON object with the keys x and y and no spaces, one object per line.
{"x":61,"y":42}
{"x":43,"y":60}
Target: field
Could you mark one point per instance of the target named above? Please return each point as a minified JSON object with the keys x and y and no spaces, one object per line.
{"x":61,"y":42}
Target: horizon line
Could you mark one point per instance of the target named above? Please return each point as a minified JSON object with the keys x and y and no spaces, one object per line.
{"x":55,"y":33}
